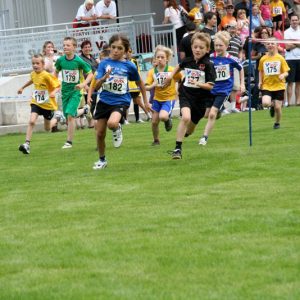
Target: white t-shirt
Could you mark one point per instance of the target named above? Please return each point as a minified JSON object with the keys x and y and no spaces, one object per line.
{"x":83,"y":12}
{"x":293,"y":54}
{"x":102,"y":9}
{"x":174,"y":17}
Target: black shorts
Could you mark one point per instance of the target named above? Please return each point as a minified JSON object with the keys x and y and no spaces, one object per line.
{"x":219,"y":101}
{"x":197,"y":108}
{"x":277,"y":18}
{"x":294,"y":72}
{"x":103,"y":110}
{"x":134,"y":94}
{"x":46,"y":113}
{"x":275,"y":95}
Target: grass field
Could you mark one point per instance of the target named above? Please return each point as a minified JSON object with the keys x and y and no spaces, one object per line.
{"x":222,"y":223}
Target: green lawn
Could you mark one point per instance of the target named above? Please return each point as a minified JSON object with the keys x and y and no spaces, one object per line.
{"x":222,"y":223}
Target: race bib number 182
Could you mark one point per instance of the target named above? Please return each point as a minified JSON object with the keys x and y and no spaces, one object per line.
{"x":116,"y":84}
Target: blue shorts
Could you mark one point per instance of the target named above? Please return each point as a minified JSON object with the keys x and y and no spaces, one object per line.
{"x":163,"y":105}
{"x":219,"y":101}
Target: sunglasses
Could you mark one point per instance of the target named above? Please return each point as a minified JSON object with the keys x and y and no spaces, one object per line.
{"x":229,"y":7}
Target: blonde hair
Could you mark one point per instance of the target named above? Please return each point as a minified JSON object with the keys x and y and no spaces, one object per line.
{"x":88,"y":2}
{"x":165,"y":49}
{"x":204,"y":37}
{"x":223,"y":36}
{"x":41,"y":56}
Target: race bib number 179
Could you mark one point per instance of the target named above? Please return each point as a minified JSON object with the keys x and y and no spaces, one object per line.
{"x":70,"y":76}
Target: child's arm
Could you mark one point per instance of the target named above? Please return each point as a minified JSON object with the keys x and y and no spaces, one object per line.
{"x":141,"y":85}
{"x":170,"y":77}
{"x":242,"y":80}
{"x":205,"y":86}
{"x":260,"y":79}
{"x":88,"y":79}
{"x":282,"y":76}
{"x":28,"y":83}
{"x":89,"y":95}
{"x":149,"y":87}
{"x":53,"y":93}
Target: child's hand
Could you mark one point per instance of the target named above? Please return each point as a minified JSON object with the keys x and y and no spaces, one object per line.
{"x":52,"y":94}
{"x":259,"y":85}
{"x":167,"y":82}
{"x":20,"y":91}
{"x":89,"y":101}
{"x":79,"y":86}
{"x":281,"y":76}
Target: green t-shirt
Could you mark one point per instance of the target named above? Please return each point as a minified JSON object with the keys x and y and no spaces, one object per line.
{"x":72,"y":71}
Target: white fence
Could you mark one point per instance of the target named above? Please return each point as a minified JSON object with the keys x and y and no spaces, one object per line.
{"x":18,"y":45}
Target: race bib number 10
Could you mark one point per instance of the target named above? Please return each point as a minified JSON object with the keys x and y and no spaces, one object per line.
{"x":223,"y":72}
{"x":41,"y":96}
{"x":116,"y":84}
{"x":70,"y":76}
{"x":272,"y":68}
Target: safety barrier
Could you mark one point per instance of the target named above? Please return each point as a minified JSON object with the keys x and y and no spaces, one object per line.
{"x":18,"y":45}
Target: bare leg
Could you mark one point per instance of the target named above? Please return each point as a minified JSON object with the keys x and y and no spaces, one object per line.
{"x":100,"y":127}
{"x":155,"y":124}
{"x":31,"y":124}
{"x":297,"y":93}
{"x":71,"y":128}
{"x":211,"y":120}
{"x":289,"y":92}
{"x":183,"y":124}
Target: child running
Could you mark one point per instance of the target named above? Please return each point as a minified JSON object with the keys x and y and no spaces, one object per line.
{"x":194,"y":92}
{"x":43,"y":98}
{"x":224,"y":64}
{"x":73,"y":82}
{"x":164,"y":95}
{"x":113,"y":75}
{"x":273,"y":69}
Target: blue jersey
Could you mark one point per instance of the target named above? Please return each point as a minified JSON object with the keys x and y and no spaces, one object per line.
{"x":115,"y":89}
{"x":224,"y":66}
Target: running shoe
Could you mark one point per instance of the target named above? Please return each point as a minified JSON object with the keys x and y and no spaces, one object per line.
{"x":100,"y":164}
{"x":67,"y":145}
{"x":168,"y":124}
{"x":203,"y":140}
{"x":176,"y":154}
{"x":25,"y":148}
{"x":117,"y":137}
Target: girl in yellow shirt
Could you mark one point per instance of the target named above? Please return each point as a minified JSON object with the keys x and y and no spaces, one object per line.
{"x":164,"y":96}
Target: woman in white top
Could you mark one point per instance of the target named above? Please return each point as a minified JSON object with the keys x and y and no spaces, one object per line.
{"x":172,"y":15}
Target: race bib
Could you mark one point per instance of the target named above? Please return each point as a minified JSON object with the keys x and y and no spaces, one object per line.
{"x":40,"y":96}
{"x":272,"y":68}
{"x":223,"y":72}
{"x":161,"y":77}
{"x":70,"y":76}
{"x":277,"y":10}
{"x":116,"y":84}
{"x":198,"y":16}
{"x":192,"y":77}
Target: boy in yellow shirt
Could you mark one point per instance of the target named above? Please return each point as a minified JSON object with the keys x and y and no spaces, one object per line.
{"x":43,"y":100}
{"x":278,"y":12}
{"x":273,"y":69}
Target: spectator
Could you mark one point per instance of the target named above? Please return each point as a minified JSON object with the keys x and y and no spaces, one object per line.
{"x":235,"y":50}
{"x":50,"y":56}
{"x":266,"y":14}
{"x":244,"y":4}
{"x":86,"y":49}
{"x":106,"y":10}
{"x":209,"y":5}
{"x":86,"y":14}
{"x":228,"y":17}
{"x":257,"y":19}
{"x":292,"y":57}
{"x":210,"y":21}
{"x":172,"y":15}
{"x":185,"y":49}
{"x":196,"y":14}
{"x":278,"y":13}
{"x":242,"y":24}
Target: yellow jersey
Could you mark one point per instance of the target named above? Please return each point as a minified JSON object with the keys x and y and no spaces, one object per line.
{"x":131,"y":84}
{"x":163,"y":93}
{"x":271,"y":67}
{"x":277,"y":8}
{"x":44,"y":83}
